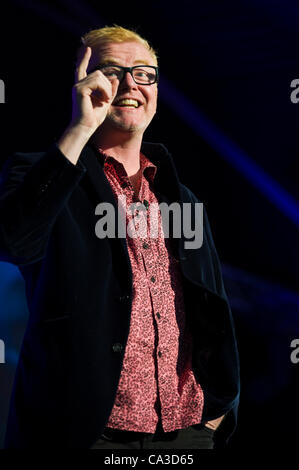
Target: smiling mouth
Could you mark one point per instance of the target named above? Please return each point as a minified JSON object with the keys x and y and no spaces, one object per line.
{"x":127,"y":103}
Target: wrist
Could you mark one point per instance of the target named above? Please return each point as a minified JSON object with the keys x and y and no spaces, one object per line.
{"x":214,"y":423}
{"x":79,"y":131}
{"x":73,"y":140}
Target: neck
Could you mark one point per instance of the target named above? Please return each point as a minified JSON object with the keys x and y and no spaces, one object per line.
{"x":123,"y":146}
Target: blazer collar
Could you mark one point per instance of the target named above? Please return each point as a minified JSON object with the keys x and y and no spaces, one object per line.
{"x":166,"y":179}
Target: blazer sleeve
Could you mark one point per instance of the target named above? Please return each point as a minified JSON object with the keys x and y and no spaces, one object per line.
{"x":34,"y":187}
{"x":229,"y":355}
{"x":226,"y":361}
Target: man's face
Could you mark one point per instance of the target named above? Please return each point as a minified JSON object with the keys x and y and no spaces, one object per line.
{"x":128,"y":118}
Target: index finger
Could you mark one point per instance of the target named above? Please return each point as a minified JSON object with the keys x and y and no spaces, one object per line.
{"x":82,"y":67}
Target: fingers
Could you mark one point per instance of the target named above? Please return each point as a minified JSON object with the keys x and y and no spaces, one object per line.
{"x":83,"y":64}
{"x":95,"y":84}
{"x":102,"y":87}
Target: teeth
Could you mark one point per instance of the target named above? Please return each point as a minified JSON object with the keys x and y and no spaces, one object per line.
{"x":127,"y":102}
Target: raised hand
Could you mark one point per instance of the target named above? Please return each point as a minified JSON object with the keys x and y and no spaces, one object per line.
{"x":92,"y":95}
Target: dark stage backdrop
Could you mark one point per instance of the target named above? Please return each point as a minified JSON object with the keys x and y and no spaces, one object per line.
{"x":229,"y":115}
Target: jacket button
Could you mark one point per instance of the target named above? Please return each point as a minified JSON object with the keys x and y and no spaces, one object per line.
{"x":44,"y":187}
{"x":117,"y":347}
{"x":123,"y":298}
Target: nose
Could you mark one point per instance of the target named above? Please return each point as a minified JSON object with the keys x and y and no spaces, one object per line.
{"x":128,"y":81}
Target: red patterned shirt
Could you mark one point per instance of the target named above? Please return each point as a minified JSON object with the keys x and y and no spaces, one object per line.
{"x":156,"y":380}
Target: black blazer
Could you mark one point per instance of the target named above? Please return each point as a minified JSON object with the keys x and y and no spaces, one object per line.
{"x":79,"y":294}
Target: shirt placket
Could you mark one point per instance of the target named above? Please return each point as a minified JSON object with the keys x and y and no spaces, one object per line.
{"x":155,"y":261}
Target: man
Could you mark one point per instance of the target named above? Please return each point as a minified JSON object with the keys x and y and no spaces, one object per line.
{"x":130,"y":341}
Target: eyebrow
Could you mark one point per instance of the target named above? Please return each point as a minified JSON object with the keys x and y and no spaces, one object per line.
{"x":111,"y":61}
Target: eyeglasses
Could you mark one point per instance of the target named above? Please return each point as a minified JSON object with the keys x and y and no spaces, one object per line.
{"x":142,"y":74}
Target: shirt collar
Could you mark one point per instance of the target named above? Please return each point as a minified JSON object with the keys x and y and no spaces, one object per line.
{"x":148,"y":169}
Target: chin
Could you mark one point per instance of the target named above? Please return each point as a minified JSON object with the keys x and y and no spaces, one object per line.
{"x":127,"y":126}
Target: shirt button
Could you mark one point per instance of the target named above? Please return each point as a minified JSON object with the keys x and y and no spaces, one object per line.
{"x":145,"y":245}
{"x":158,"y":315}
{"x":117,"y":347}
{"x":153,"y":279}
{"x":159,"y":354}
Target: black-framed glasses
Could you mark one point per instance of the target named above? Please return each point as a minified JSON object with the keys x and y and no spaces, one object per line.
{"x":142,"y":74}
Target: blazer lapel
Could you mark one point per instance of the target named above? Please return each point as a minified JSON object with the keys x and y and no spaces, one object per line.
{"x":102,"y":189}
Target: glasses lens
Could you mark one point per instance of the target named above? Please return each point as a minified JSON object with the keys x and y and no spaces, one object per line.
{"x":144,"y":74}
{"x":112,"y":72}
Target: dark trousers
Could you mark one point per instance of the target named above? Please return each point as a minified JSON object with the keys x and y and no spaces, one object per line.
{"x":197,"y":436}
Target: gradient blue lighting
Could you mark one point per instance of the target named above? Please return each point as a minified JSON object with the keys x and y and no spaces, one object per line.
{"x":229,"y":150}
{"x":50,"y":13}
